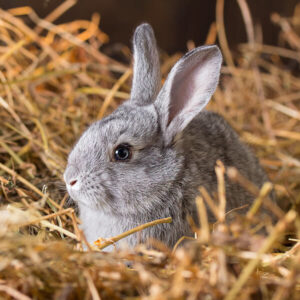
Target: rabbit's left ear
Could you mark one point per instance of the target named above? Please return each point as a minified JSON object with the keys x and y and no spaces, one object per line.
{"x":187,"y":90}
{"x":146,"y":68}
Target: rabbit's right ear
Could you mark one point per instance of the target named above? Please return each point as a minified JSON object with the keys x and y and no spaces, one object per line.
{"x":146,"y":69}
{"x":187,"y":90}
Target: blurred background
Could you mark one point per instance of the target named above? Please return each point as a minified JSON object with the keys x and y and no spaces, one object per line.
{"x":174,"y":21}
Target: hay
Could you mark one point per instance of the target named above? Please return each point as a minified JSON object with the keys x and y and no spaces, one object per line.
{"x":54,"y":82}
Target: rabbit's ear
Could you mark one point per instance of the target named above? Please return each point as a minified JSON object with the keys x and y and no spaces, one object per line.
{"x":146,"y":69}
{"x":188,"y":89}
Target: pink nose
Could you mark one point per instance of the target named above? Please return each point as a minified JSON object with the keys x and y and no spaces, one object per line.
{"x":73,"y":182}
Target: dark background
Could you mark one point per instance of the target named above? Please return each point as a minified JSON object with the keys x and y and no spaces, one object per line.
{"x":174,"y":21}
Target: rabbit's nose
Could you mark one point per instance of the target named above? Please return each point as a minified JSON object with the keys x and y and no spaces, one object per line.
{"x":73,"y":182}
{"x":71,"y":176}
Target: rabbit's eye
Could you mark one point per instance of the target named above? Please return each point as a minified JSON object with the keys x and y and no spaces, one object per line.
{"x":122,"y":152}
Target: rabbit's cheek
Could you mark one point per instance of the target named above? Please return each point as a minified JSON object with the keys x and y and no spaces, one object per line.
{"x":104,"y":177}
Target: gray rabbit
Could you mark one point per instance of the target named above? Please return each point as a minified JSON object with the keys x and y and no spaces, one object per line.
{"x":147,"y":159}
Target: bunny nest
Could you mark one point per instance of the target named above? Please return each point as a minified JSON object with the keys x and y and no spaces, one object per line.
{"x":54,"y":82}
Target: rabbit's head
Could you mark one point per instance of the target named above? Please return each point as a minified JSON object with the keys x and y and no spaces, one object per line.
{"x":127,"y":163}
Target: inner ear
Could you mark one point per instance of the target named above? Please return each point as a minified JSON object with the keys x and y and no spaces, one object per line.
{"x":181,"y":92}
{"x":188,"y":89}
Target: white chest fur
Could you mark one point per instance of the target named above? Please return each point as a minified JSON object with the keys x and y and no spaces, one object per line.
{"x":96,"y":224}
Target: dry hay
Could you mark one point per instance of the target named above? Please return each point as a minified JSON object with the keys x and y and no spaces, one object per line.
{"x":54,"y":82}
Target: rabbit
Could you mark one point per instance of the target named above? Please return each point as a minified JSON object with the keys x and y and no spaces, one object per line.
{"x":147,"y":159}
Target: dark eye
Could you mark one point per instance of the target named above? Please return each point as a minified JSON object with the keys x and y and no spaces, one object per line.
{"x":122,"y":152}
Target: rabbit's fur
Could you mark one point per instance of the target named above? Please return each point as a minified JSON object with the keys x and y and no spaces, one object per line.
{"x":175,"y":145}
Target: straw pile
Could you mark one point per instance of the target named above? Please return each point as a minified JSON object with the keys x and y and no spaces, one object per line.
{"x":54,"y":82}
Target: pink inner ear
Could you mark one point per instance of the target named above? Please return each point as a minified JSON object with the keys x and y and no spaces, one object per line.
{"x":184,"y":87}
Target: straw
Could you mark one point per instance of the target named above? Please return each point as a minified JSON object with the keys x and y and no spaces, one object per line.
{"x":55,"y":80}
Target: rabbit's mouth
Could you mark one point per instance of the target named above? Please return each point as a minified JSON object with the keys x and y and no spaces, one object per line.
{"x":81,"y":199}
{"x":74,"y":195}
{"x":89,"y":197}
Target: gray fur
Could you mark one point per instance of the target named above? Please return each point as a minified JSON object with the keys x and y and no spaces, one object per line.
{"x":175,"y":147}
{"x":146,"y":71}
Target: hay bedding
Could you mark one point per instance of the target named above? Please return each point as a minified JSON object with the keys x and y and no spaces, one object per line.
{"x":53,"y":82}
